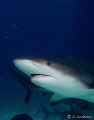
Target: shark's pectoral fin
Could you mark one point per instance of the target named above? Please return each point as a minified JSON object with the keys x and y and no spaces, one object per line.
{"x":30,"y":87}
{"x":29,"y":95}
{"x":56,"y":98}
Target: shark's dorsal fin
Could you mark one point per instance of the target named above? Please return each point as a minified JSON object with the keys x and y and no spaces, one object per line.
{"x":56,"y":98}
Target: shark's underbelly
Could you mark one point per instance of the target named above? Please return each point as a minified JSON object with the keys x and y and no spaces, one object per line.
{"x":70,"y":87}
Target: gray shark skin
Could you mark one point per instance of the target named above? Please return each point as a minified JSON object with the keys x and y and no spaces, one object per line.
{"x":30,"y":87}
{"x":66,"y":77}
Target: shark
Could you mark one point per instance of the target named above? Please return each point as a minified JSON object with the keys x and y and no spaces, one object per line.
{"x":29,"y":86}
{"x":73,"y":113}
{"x":66,"y":77}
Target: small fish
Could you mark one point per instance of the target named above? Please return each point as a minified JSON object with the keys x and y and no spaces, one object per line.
{"x":15,"y":24}
{"x":6,"y":37}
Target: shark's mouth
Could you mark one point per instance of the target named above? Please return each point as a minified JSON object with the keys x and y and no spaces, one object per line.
{"x":38,"y":76}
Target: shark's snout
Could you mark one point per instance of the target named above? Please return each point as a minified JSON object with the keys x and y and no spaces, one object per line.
{"x":27,"y":66}
{"x":17,"y":61}
{"x":24,"y":62}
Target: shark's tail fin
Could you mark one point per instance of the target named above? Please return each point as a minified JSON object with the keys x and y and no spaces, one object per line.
{"x":25,"y":82}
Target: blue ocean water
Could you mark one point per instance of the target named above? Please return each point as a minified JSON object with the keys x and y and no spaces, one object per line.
{"x":47,"y":27}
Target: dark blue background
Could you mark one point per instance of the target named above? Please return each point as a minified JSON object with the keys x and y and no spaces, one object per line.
{"x":61,"y":27}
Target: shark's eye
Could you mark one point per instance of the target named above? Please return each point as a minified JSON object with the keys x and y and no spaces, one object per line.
{"x":48,"y":63}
